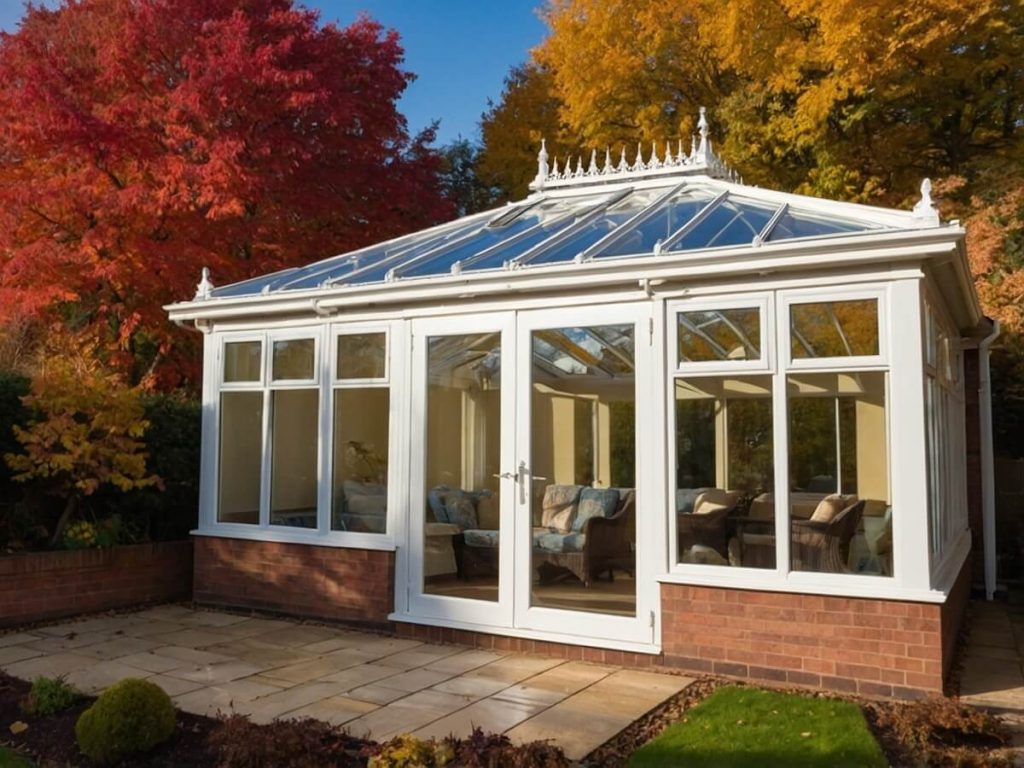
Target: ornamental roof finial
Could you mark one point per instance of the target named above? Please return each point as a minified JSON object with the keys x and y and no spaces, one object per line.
{"x":925,"y":209}
{"x":205,"y":286}
{"x":704,"y":149}
{"x":542,"y":165}
{"x":608,"y":168}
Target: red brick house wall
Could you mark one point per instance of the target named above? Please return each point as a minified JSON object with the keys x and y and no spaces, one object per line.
{"x":50,"y":585}
{"x":350,"y":585}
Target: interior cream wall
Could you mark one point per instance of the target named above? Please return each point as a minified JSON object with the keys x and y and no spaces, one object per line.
{"x":363,"y":418}
{"x":241,"y":436}
{"x":294,"y":463}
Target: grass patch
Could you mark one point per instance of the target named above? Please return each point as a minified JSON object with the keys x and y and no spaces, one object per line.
{"x":11,"y":759}
{"x":737,"y":727}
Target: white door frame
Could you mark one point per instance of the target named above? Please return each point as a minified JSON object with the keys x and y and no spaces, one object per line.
{"x":443,"y":608}
{"x":596,"y":627}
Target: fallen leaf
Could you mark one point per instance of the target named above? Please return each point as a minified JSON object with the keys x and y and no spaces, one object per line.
{"x":805,"y":734}
{"x":18,"y":727}
{"x":740,"y":722}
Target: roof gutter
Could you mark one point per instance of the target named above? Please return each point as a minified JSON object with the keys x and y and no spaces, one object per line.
{"x":988,"y":484}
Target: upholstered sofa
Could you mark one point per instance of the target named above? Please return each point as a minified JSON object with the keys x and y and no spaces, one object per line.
{"x":464,"y":529}
{"x":362,"y":507}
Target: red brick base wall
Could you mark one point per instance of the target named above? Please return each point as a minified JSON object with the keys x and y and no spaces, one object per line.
{"x":869,"y":647}
{"x":49,"y":585}
{"x":350,"y":585}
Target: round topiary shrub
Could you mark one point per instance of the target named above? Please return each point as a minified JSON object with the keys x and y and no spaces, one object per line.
{"x":130,"y":716}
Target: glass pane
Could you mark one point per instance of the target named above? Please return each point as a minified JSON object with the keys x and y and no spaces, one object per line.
{"x":839,"y":473}
{"x":583,"y":471}
{"x":242,"y":361}
{"x":360,"y":477}
{"x":241,"y":444}
{"x":506,"y":228}
{"x":377,"y":274}
{"x":463,"y":450}
{"x":293,"y":359}
{"x":720,"y":334}
{"x":659,"y":226}
{"x":793,"y":224}
{"x":834,"y":329}
{"x":725,"y":471}
{"x":362,"y":356}
{"x":730,"y":223}
{"x":293,"y":457}
{"x":607,"y":222}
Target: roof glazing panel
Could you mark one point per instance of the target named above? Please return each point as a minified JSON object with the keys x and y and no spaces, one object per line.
{"x":794,"y":224}
{"x":731,"y":221}
{"x":658,"y":225}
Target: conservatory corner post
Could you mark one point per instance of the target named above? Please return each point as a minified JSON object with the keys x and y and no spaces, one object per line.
{"x":908,"y":451}
{"x":208,"y":448}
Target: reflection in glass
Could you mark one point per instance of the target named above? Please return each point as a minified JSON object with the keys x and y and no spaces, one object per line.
{"x":293,"y":457}
{"x":721,"y":334}
{"x":582,"y":480}
{"x":293,"y":359}
{"x":731,"y":222}
{"x":657,"y":227}
{"x":360,"y":475}
{"x":834,"y":329}
{"x":839,"y":473}
{"x":362,"y":356}
{"x":793,"y":224}
{"x":242,"y":361}
{"x":240,"y":447}
{"x":463,"y":449}
{"x":725,"y":471}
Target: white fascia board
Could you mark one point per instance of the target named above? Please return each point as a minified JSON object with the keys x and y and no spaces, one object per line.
{"x":855,"y":250}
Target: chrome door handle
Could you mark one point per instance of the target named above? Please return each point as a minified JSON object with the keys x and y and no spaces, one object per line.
{"x":524,"y":471}
{"x":506,"y":476}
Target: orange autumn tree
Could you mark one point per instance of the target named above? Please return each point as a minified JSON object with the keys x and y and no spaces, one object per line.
{"x":145,"y":139}
{"x":86,"y":431}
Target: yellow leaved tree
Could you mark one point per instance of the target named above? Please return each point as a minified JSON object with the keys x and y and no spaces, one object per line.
{"x":86,"y":430}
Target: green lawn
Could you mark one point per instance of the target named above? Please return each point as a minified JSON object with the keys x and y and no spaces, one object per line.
{"x":754,"y":728}
{"x":11,"y":759}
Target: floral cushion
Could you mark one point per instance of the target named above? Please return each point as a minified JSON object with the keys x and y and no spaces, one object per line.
{"x":435,"y":499}
{"x":595,"y":502}
{"x":549,"y":541}
{"x":559,"y":506}
{"x":480,"y":538}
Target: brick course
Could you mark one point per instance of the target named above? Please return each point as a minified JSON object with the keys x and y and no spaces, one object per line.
{"x":49,"y":585}
{"x":350,"y":585}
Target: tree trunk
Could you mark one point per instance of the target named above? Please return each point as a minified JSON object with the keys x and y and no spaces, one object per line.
{"x":65,"y":517}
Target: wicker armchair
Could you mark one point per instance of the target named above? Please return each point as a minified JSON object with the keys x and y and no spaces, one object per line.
{"x":609,"y":545}
{"x":706,"y":525}
{"x":818,"y":546}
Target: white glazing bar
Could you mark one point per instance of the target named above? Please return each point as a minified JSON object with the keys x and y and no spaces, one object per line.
{"x":572,"y":229}
{"x":765,"y":233}
{"x":698,"y":217}
{"x":627,"y":226}
{"x":478,"y":257}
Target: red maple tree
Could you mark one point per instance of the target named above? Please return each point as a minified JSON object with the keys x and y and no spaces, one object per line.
{"x":145,"y":139}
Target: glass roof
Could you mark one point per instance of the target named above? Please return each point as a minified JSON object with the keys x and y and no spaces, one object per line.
{"x":594,"y":223}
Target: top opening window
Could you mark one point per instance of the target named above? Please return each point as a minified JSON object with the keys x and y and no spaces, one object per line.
{"x":834,"y":329}
{"x":718,"y":335}
{"x":243,"y":361}
{"x":362,"y":356}
{"x":294,"y":360}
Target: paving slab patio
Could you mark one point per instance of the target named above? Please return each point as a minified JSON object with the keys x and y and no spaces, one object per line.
{"x":213,"y":662}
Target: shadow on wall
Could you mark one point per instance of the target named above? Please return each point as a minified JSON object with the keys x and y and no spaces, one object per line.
{"x":1009,"y":477}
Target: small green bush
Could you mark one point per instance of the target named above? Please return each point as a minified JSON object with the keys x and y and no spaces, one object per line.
{"x":130,"y":716}
{"x":48,"y":696}
{"x":409,"y":752}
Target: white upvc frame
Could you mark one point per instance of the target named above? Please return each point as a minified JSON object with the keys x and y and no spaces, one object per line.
{"x":639,"y":629}
{"x":322,"y":334}
{"x":417,"y":602}
{"x":900,"y":357}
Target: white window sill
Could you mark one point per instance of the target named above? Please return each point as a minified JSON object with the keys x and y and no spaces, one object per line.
{"x":338,"y":540}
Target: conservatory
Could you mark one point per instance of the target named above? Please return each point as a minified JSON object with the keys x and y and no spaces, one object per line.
{"x":649,"y":414}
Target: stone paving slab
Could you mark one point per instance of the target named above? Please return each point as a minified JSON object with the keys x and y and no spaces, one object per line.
{"x":213,"y":662}
{"x":993,"y":674}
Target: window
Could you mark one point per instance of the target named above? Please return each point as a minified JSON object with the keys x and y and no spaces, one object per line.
{"x":719,"y":334}
{"x":240,"y":433}
{"x":840,"y":516}
{"x":360,"y":424}
{"x":725,"y":471}
{"x":834,"y":329}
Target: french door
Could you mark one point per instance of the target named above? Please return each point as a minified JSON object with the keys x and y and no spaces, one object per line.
{"x":525,"y":427}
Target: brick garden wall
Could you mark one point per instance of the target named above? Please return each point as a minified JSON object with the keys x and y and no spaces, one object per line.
{"x":48,"y":585}
{"x":351,"y":585}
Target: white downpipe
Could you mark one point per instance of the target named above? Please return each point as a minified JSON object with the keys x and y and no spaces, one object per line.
{"x":988,"y":480}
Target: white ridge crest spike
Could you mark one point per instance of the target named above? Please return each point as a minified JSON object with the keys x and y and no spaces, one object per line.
{"x":592,"y":168}
{"x":669,"y":160}
{"x":579,"y":165}
{"x":554,"y":168}
{"x":607,"y":161}
{"x":623,"y":165}
{"x":639,"y":165}
{"x":655,"y":162}
{"x":680,"y":157}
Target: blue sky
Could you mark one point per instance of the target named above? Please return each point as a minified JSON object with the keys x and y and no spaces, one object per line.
{"x":460,"y":51}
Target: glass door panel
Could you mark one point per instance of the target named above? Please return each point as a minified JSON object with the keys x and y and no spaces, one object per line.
{"x":578,"y":532}
{"x":461,"y":485}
